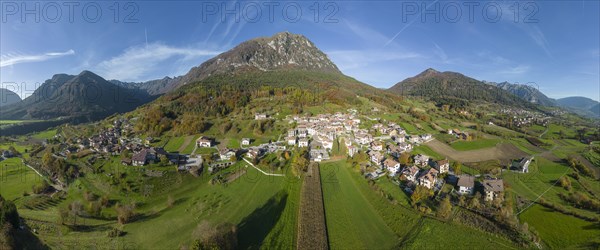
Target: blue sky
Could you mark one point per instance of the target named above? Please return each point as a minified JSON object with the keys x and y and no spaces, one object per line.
{"x":554,"y":45}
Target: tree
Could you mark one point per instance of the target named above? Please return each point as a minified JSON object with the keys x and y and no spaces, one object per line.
{"x":474,"y":202}
{"x":445,"y":208}
{"x":456,"y":167}
{"x":564,"y":182}
{"x":421,"y":193}
{"x":404,"y":158}
{"x":207,"y":236}
{"x":125,"y":213}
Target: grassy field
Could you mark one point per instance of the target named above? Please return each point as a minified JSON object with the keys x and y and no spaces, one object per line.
{"x":433,"y":234}
{"x":561,"y":231}
{"x":352,"y":222}
{"x":423,"y":149}
{"x":264,"y":209}
{"x":16,"y":178}
{"x":45,"y":134}
{"x":476,"y":144}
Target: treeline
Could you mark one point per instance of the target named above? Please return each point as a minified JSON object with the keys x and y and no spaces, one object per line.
{"x":9,"y":222}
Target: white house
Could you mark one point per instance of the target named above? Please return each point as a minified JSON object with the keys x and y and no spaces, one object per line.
{"x":391,"y":165}
{"x":260,"y":116}
{"x":522,"y":165}
{"x":443,"y":166}
{"x":421,"y":160}
{"x":245,"y":141}
{"x":465,"y":184}
{"x":303,"y":142}
{"x":428,"y":178}
{"x":377,"y":145}
{"x":376,"y":157}
{"x":410,"y":173}
{"x":352,"y":150}
{"x":291,"y":141}
{"x":204,"y":142}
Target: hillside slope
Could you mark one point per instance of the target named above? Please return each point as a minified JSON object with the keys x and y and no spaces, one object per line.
{"x":454,"y":88}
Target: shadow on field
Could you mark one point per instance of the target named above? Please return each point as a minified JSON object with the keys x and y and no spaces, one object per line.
{"x":253,"y":229}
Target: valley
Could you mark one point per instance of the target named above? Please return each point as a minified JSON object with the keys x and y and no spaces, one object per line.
{"x":269,"y":145}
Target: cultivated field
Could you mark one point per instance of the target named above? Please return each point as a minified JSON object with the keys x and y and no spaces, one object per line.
{"x":312,"y":230}
{"x":502,"y":151}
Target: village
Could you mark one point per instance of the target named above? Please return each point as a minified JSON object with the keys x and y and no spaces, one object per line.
{"x":387,"y":147}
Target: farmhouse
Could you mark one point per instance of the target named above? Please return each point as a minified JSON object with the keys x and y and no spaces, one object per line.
{"x":466,"y":184}
{"x":522,"y":165}
{"x":493,"y":189}
{"x":443,"y":166}
{"x":205,"y":142}
{"x":392,"y":166}
{"x":428,"y":178}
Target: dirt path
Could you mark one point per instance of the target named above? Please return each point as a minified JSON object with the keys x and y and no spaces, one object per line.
{"x":502,"y":151}
{"x":312,"y":229}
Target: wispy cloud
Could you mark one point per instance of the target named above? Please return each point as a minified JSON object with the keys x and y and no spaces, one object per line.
{"x":12,"y":59}
{"x":440,"y":52}
{"x":136,"y":62}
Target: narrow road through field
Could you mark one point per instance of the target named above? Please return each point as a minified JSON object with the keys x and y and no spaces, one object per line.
{"x":260,"y":170}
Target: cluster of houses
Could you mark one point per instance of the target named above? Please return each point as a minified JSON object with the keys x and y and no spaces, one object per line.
{"x":522,"y":117}
{"x":5,"y":154}
{"x":425,"y":172}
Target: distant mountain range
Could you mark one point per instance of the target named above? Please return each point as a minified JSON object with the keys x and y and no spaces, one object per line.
{"x":8,"y":97}
{"x":85,"y":95}
{"x":282,"y":60}
{"x":581,"y":105}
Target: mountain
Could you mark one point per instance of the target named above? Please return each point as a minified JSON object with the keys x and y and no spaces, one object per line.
{"x":527,"y":93}
{"x":282,"y":51}
{"x":85,"y":95}
{"x":580,"y":105}
{"x":596,"y":110}
{"x":8,"y":97}
{"x":455,"y":89}
{"x":285,"y":73}
{"x":152,"y":87}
